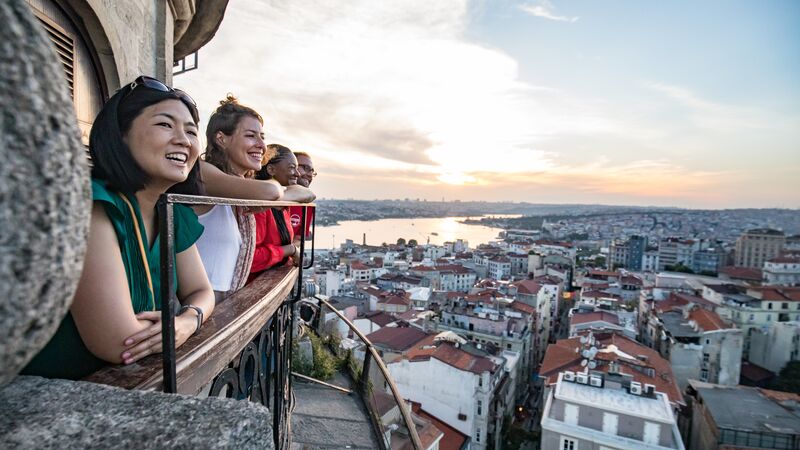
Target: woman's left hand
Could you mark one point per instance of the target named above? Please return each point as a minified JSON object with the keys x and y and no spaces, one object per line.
{"x":148,"y":341}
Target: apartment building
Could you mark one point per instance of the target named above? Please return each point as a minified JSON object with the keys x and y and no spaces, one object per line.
{"x":782,"y":271}
{"x":739,"y":417}
{"x":596,"y":410}
{"x":700,"y":345}
{"x":673,"y":251}
{"x":756,"y":246}
{"x":774,"y":347}
{"x":466,"y":391}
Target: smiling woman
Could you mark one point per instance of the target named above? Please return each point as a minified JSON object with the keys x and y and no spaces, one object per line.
{"x":143,"y":143}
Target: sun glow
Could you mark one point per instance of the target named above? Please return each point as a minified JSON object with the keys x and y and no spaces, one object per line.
{"x":457,"y":179}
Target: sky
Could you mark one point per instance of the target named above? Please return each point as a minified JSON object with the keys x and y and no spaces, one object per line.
{"x":624,"y":102}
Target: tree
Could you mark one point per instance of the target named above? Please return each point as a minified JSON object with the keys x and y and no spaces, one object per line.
{"x":412,"y":242}
{"x":401,"y":241}
{"x":788,"y":379}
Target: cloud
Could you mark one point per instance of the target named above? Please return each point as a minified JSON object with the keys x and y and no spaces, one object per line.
{"x":394,"y":82}
{"x":545,"y":10}
{"x":720,"y":117}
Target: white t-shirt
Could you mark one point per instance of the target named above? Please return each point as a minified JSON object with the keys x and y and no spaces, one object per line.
{"x":219,"y":245}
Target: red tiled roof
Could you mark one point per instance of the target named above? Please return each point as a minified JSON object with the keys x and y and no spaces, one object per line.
{"x":452,"y":440}
{"x":755,"y":373}
{"x":380,"y":318}
{"x":522,"y":307}
{"x":547,"y":279}
{"x":776,"y":293}
{"x":628,"y":279}
{"x":529,"y":287}
{"x":449,"y":354}
{"x":742,"y":273}
{"x":672,"y":302}
{"x":397,"y":338}
{"x":603,"y":273}
{"x":562,"y":356}
{"x":784,"y":259}
{"x":596,"y":316}
{"x":356,"y":265}
{"x":423,"y":269}
{"x":395,"y":300}
{"x":708,"y":320}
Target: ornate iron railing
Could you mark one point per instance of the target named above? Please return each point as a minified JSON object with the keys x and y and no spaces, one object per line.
{"x":243,"y":350}
{"x":373,"y":381}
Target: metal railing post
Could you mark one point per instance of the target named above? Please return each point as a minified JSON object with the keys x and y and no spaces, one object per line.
{"x":167,"y":262}
{"x":364,"y":381}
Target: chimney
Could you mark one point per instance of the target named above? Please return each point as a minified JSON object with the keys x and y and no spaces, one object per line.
{"x":364,"y":239}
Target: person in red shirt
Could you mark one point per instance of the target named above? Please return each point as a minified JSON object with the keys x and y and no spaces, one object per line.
{"x":274,"y":235}
{"x":306,"y":174}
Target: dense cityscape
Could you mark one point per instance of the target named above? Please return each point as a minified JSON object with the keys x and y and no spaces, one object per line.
{"x":492,"y":257}
{"x":636,"y":328}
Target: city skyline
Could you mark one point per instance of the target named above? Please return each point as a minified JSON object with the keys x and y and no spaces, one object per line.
{"x":680,"y":105}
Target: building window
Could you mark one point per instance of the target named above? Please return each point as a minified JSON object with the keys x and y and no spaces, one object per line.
{"x":708,"y":341}
{"x":769,"y":317}
{"x":784,"y":305}
{"x":571,"y":414}
{"x":480,"y":407}
{"x":769,"y":305}
{"x":704,"y":375}
{"x":705,"y":356}
{"x":478,"y":435}
{"x":610,"y":422}
{"x":568,"y":444}
{"x":652,"y":433}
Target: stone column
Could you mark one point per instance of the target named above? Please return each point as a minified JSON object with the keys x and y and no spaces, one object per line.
{"x":45,"y":197}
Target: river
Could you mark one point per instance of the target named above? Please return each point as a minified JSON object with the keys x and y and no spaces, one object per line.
{"x":438,"y":230}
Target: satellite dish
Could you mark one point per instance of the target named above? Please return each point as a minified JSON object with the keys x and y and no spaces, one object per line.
{"x":593,"y":351}
{"x":585,"y":354}
{"x":592,"y":364}
{"x":583,"y":339}
{"x":584,"y":363}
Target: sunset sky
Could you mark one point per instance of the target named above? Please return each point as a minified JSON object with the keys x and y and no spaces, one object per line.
{"x":678,"y":103}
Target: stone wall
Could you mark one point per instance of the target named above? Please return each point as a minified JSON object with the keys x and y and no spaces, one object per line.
{"x":44,"y":191}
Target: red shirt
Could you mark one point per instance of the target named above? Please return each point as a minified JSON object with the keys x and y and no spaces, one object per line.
{"x":268,"y":250}
{"x":296,"y":216}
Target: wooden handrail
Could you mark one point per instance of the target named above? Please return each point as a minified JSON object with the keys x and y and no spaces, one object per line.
{"x":234,"y":322}
{"x":206,"y":200}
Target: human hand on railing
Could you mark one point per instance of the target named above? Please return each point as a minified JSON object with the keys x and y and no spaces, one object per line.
{"x":148,"y":341}
{"x":292,"y":251}
{"x":297,"y":193}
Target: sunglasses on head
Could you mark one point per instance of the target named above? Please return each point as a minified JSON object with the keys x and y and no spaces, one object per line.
{"x":152,"y":83}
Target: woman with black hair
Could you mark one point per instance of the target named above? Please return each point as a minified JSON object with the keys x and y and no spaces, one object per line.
{"x":274,"y":237}
{"x":143,"y":143}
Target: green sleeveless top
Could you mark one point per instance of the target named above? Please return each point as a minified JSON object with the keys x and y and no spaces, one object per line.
{"x":66,"y":356}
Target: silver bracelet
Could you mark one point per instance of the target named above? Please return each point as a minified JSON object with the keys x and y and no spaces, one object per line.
{"x":196,"y":309}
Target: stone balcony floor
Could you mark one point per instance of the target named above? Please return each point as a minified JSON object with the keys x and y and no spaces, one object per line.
{"x":325,"y":418}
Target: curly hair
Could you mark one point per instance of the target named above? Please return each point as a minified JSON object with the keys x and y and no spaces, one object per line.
{"x":225,"y":119}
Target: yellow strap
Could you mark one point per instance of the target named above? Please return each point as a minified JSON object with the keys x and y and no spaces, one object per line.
{"x":141,"y":251}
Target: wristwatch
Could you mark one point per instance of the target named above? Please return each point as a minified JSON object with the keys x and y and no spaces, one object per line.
{"x":196,"y":309}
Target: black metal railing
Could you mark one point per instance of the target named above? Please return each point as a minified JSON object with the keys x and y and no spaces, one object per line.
{"x":262,"y":371}
{"x":376,"y":387}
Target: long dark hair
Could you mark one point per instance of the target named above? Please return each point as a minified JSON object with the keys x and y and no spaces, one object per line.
{"x":226,"y":118}
{"x":112,"y":161}
{"x":280,"y":153}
